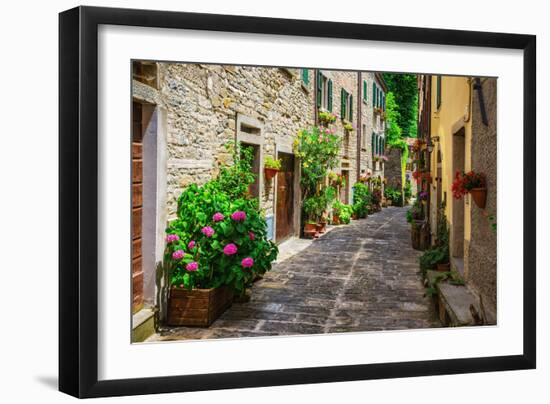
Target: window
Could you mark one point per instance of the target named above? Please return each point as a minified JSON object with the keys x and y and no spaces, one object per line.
{"x":145,"y":72}
{"x":438,"y":92}
{"x":305,"y":76}
{"x":365,"y":87}
{"x":324,"y":92}
{"x":346,"y":106}
{"x":374,"y":94}
{"x":364,"y":137}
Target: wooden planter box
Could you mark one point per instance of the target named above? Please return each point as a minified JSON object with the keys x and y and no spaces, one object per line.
{"x":197,"y":307}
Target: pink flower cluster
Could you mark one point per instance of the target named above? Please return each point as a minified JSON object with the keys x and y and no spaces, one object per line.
{"x":170,"y":238}
{"x":251,"y":236}
{"x":178,"y":254}
{"x":238,"y":216}
{"x":191,"y":244}
{"x":230,"y":249}
{"x":208,"y":231}
{"x":192,"y":266}
{"x":247,"y":262}
{"x":218,"y":217}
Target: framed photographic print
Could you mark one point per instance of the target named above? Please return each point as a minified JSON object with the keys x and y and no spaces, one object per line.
{"x":250,"y":201}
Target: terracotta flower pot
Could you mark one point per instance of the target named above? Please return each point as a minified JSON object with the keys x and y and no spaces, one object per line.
{"x":335,"y":219}
{"x":310,"y":230}
{"x":270,"y":173}
{"x":321,"y":227}
{"x":479,"y":195}
{"x":446,"y":267}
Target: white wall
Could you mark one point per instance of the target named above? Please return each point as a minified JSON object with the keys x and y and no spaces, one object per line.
{"x":28,"y":207}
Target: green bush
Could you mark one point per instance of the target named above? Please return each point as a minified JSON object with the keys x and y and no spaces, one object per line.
{"x":394,"y":195}
{"x":219,"y":237}
{"x":343,"y":211}
{"x":362,"y":198}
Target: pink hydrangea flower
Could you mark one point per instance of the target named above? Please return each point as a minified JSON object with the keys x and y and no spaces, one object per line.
{"x":247,"y":262}
{"x":230,"y":249}
{"x":192,"y":266}
{"x":178,"y":254}
{"x":191,"y":244}
{"x":208,"y":231}
{"x":218,"y":217}
{"x":170,"y":238}
{"x":238,"y":216}
{"x":251,"y":236}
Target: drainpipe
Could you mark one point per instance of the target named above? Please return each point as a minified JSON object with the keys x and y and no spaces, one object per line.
{"x":358,"y":130}
{"x":315,"y":107}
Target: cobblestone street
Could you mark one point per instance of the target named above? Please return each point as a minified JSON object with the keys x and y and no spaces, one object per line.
{"x":359,"y":277}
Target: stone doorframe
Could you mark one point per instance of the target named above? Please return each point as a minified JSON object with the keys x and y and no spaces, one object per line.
{"x":243,"y":123}
{"x":283,"y":145}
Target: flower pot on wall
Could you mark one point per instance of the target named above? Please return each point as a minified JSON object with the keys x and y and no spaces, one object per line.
{"x":310,"y":230}
{"x":270,"y":173}
{"x":479,"y":195}
{"x":197,"y":307}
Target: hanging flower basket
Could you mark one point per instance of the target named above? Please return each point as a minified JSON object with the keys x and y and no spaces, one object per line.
{"x":479,"y":195}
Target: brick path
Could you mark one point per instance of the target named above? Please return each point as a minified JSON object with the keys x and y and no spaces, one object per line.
{"x":359,"y":277}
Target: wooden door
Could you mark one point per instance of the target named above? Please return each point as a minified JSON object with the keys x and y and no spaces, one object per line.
{"x":285,"y":198}
{"x":137,"y":205}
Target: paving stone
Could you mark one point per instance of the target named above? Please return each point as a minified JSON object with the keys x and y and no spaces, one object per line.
{"x":359,"y":277}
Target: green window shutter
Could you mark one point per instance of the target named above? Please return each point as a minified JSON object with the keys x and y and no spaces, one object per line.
{"x":365,"y":90}
{"x":305,"y":76}
{"x":329,"y":90}
{"x":373,"y":94}
{"x":319,"y":88}
{"x":438,"y":92}
{"x":351,"y":108}
{"x":372,"y":143}
{"x":384,"y":102}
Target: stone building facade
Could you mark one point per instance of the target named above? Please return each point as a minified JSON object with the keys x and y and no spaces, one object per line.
{"x":462,"y":138}
{"x":184,"y":116}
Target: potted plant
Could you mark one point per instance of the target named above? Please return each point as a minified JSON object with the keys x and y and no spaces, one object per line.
{"x":341,"y":213}
{"x":215,"y":248}
{"x":326,"y":117}
{"x":271,"y":167}
{"x":348,"y":126}
{"x":472,"y":183}
{"x":313,"y":207}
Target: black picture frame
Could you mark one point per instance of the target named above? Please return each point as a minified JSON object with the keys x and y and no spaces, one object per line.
{"x":78,"y":196}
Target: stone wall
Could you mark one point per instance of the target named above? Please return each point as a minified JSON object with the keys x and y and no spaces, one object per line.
{"x":202,"y":105}
{"x":392,"y":169}
{"x":481,"y":251}
{"x":367,"y":114}
{"x":348,"y":152}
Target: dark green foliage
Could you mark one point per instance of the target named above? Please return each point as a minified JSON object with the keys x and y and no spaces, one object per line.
{"x":439,"y":253}
{"x":394,"y":195}
{"x":343,"y":211}
{"x":362,"y":198}
{"x":405,"y":90}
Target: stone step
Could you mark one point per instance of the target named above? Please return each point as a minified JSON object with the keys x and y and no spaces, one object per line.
{"x":457,"y":304}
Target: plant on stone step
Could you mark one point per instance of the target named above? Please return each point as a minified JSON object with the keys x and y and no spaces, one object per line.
{"x":343,"y":211}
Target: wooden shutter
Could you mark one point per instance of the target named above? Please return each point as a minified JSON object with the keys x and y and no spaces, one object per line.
{"x":305,"y":76}
{"x":373,"y":94}
{"x":365,"y":90}
{"x":319,"y":88}
{"x":351,"y":108}
{"x":329,"y":90}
